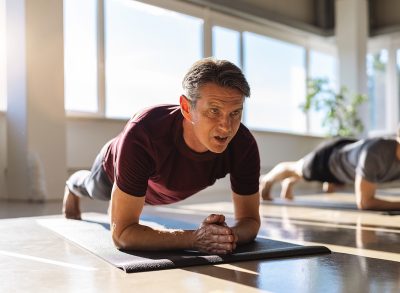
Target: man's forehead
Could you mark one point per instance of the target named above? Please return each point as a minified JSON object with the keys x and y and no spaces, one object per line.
{"x":216,"y":92}
{"x":236,"y":101}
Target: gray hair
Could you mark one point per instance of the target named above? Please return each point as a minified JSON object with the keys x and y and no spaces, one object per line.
{"x":209,"y":70}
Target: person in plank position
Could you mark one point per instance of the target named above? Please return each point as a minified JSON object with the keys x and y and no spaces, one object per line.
{"x":167,"y":153}
{"x":364,"y":163}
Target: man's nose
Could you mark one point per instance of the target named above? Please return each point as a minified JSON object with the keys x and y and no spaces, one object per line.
{"x":225,"y":124}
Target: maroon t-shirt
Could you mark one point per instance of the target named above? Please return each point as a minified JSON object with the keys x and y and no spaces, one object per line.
{"x":150,"y":158}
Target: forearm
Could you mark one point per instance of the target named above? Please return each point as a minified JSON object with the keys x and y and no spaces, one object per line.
{"x":366,"y":200}
{"x":140,"y":237}
{"x":246,"y":229}
{"x":380,"y":205}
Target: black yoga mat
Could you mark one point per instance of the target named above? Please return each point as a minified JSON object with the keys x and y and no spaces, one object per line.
{"x":324,"y":205}
{"x":93,"y":234}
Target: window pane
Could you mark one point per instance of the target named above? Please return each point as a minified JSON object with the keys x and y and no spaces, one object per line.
{"x":80,"y":55}
{"x":398,"y":78}
{"x":3,"y":82}
{"x":276,"y":74}
{"x":321,"y":66}
{"x":226,"y":44}
{"x":148,"y":51}
{"x":376,"y":72}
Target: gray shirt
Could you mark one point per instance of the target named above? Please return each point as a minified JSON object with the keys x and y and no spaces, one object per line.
{"x":374,"y":159}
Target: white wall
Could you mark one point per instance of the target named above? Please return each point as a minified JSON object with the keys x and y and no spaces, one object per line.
{"x":3,"y":154}
{"x":85,"y":137}
{"x":277,"y":147}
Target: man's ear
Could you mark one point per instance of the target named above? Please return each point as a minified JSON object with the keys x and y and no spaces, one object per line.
{"x":185,"y":107}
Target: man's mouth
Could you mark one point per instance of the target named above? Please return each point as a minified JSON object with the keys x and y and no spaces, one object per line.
{"x":221,"y":139}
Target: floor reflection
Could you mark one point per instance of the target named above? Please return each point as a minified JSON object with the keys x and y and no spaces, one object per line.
{"x":356,"y":236}
{"x":328,"y":273}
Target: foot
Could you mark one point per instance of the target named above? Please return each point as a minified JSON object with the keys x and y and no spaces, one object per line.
{"x":287,"y":190}
{"x":71,"y":209}
{"x":265,"y":188}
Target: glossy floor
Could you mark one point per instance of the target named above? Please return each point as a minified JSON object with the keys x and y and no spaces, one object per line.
{"x":365,"y":254}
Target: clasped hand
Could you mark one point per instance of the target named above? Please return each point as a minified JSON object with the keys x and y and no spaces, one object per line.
{"x":214,"y":236}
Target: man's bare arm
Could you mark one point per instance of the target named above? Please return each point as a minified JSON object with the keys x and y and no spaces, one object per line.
{"x":127,"y":233}
{"x":366,"y":200}
{"x":247,"y":216}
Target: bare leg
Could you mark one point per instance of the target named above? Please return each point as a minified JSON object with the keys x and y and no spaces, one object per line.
{"x":287,"y":187}
{"x":71,"y":205}
{"x":278,"y":173}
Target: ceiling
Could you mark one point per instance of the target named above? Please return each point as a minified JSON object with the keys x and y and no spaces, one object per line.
{"x":317,"y":16}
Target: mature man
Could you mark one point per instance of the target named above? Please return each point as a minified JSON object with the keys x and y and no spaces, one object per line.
{"x":167,"y":153}
{"x":364,"y":163}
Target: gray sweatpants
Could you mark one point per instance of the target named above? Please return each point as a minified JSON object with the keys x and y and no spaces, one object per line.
{"x":94,"y":183}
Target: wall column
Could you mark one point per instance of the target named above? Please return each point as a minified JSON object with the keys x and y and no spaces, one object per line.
{"x":36,"y":143}
{"x":351,"y":32}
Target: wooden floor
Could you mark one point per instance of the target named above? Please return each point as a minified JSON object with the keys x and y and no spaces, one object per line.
{"x":365,"y":254}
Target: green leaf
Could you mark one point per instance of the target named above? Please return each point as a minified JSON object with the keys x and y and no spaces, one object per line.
{"x":340,"y":108}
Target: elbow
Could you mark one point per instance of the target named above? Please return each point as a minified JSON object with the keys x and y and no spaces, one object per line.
{"x":128,"y":238}
{"x":365,"y":204}
{"x":247,"y":229}
{"x":118,"y":241}
{"x":252,"y":238}
{"x":256,"y":228}
{"x":258,"y":225}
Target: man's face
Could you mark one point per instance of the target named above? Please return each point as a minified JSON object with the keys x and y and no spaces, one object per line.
{"x":215,"y":119}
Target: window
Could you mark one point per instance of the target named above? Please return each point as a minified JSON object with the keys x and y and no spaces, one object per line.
{"x":398,"y":79}
{"x":80,"y":55}
{"x":276,"y":74}
{"x":376,"y":73}
{"x":3,"y":81}
{"x":148,"y":51}
{"x":321,"y":65}
{"x":226,"y":44}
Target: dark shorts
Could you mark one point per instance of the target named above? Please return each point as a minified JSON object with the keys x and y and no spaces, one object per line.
{"x":316,"y":163}
{"x":94,"y":183}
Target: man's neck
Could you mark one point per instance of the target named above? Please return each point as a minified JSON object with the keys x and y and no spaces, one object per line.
{"x":190,"y":139}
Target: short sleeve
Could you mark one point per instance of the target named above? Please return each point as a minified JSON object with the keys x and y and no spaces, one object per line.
{"x":133,"y":161}
{"x":371,"y":165}
{"x":245,"y":172}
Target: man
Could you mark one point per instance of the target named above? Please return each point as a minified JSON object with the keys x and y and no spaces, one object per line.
{"x":364,"y":163}
{"x":168,"y":153}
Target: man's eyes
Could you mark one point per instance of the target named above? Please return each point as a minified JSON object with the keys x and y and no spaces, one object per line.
{"x":236,"y":113}
{"x":216,"y":112}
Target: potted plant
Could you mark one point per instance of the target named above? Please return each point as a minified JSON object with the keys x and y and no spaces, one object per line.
{"x":340,"y":110}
